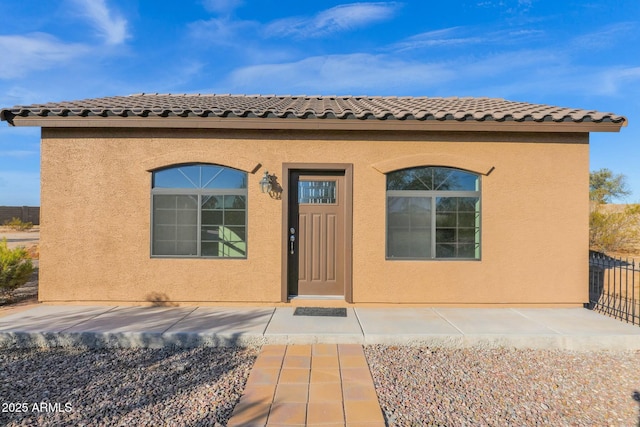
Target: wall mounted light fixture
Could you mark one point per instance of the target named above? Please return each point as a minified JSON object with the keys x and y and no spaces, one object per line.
{"x":266,"y":182}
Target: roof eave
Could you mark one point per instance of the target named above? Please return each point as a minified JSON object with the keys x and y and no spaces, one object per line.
{"x":309,"y":124}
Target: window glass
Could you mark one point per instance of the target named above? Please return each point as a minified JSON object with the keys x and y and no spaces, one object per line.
{"x":199,"y":176}
{"x":432,"y":178}
{"x":433,"y":212}
{"x":199,"y":211}
{"x":175,"y":225}
{"x":316,"y":192}
{"x":408,"y":227}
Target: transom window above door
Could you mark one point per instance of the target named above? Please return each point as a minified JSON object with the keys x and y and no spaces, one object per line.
{"x":433,"y":213}
{"x":199,"y":210}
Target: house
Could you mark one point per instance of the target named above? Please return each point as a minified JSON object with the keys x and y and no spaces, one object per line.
{"x":213,"y":199}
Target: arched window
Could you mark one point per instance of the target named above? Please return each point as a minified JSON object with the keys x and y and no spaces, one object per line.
{"x":199,"y":210}
{"x":432,"y":213}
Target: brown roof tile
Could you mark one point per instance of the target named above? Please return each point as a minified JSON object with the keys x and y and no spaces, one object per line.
{"x":313,"y":107}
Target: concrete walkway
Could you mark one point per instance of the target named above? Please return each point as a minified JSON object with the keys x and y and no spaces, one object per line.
{"x":311,"y":369}
{"x":104,"y":326}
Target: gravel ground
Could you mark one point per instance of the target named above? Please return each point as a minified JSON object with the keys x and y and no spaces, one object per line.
{"x":416,"y":386}
{"x":499,"y":387}
{"x":122,"y":387}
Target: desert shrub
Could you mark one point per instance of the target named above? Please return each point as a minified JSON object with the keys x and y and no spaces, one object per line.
{"x":605,"y":186}
{"x":18,"y":225}
{"x":614,"y":231}
{"x":15,"y":268}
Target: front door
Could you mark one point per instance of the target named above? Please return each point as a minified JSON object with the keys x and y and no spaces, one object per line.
{"x":316,"y":233}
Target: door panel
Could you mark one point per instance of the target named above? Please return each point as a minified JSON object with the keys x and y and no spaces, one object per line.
{"x":317,"y":216}
{"x":317,"y":247}
{"x":331,"y":235}
{"x":303,"y":267}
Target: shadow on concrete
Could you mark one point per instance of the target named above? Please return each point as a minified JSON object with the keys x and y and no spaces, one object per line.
{"x":130,"y":327}
{"x":159,"y":299}
{"x":140,"y":361}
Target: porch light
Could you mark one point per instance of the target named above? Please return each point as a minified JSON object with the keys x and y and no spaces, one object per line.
{"x":265,"y":182}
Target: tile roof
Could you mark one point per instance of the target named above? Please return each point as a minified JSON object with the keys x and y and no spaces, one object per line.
{"x":313,"y":107}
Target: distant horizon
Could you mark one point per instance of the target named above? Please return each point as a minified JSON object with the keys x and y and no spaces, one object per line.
{"x":573,"y":54}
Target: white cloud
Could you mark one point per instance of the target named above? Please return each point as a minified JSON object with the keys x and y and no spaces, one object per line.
{"x":608,"y":37}
{"x":518,"y":73}
{"x":222,"y":6}
{"x":466,"y":36}
{"x":521,"y":64}
{"x":221,"y":31}
{"x":444,"y":37}
{"x":337,"y":19}
{"x":511,"y":6}
{"x":339,"y":74}
{"x":36,"y":51}
{"x":227,"y":31}
{"x":540,"y":74}
{"x":106,"y":22}
{"x":613,"y":81}
{"x":15,"y":95}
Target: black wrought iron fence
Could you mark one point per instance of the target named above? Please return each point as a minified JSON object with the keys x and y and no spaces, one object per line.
{"x":614,"y":287}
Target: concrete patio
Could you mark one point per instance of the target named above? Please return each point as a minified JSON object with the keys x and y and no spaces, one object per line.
{"x":120,"y":326}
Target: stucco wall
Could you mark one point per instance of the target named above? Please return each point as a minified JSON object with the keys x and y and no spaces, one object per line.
{"x":95,"y":217}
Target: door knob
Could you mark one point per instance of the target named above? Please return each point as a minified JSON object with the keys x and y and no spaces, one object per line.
{"x":292,"y":239}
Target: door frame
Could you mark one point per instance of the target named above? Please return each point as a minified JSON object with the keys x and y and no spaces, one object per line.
{"x":347,"y":169}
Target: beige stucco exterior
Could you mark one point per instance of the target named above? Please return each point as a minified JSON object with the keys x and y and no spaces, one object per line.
{"x":96,"y":219}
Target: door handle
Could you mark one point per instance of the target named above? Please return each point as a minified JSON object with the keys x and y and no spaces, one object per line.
{"x":292,"y":239}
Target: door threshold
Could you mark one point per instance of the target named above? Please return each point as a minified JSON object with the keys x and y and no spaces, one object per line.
{"x":318,"y":301}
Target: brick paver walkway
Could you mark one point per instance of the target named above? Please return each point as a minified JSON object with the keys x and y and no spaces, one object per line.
{"x":306,"y":385}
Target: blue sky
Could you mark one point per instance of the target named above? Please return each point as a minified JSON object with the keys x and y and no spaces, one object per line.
{"x":581,"y":54}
